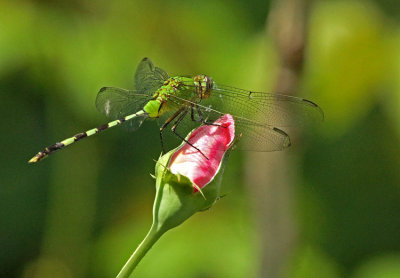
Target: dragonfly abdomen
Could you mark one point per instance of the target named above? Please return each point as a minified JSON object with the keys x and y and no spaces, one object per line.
{"x":59,"y":145}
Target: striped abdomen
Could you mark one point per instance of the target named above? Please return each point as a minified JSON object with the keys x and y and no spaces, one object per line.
{"x":57,"y":146}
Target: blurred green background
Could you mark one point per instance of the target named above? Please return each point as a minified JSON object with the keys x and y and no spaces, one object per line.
{"x":82,"y":212}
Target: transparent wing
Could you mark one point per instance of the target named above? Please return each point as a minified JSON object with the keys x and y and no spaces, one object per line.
{"x":251,"y":135}
{"x":263,"y":108}
{"x":149,"y":78}
{"x":266,"y":108}
{"x":115,"y":103}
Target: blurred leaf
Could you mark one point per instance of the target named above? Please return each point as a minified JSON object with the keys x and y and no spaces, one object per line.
{"x":393,"y":99}
{"x":356,"y":178}
{"x":386,"y":266}
{"x":349,"y":60}
{"x":309,"y":263}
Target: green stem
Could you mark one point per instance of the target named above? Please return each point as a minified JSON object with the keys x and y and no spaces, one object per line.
{"x":152,"y":236}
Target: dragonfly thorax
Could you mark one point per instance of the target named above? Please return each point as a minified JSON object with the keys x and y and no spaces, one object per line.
{"x":203,"y":85}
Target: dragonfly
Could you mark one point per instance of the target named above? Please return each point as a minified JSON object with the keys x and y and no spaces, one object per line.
{"x":186,"y":101}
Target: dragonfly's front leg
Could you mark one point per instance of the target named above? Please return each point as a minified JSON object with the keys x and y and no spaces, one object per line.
{"x":202,"y":119}
{"x":192,"y":114}
{"x":167,"y":122}
{"x":181,"y":137}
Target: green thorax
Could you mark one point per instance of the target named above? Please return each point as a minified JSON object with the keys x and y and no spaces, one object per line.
{"x":173,"y":93}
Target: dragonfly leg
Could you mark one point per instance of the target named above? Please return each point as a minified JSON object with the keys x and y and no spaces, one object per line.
{"x":192,"y":116}
{"x":167,"y":122}
{"x":181,"y":137}
{"x":202,"y":119}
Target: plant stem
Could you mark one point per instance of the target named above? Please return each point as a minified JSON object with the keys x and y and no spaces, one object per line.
{"x":152,"y":236}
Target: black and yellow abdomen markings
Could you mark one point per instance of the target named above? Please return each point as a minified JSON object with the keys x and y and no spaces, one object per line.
{"x":59,"y":145}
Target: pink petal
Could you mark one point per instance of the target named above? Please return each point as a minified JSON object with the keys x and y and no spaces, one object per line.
{"x":213,"y":141}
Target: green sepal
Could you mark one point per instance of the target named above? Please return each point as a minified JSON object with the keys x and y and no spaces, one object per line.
{"x":176,"y":199}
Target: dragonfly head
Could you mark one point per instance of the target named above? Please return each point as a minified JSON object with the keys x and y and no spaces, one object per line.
{"x":203,"y":85}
